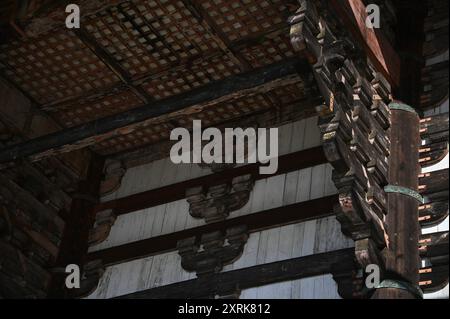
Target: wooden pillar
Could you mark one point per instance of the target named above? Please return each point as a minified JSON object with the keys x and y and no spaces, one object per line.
{"x":74,"y":245}
{"x":402,"y":262}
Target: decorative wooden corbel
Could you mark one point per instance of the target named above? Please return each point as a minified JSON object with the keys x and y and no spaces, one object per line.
{"x":104,"y":220}
{"x":92,"y":273}
{"x":114,"y":172}
{"x":354,"y":122}
{"x":215,"y":203}
{"x":212,"y":251}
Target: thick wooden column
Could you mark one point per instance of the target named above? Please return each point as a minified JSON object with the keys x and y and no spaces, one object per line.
{"x":402,"y":262}
{"x":74,"y":245}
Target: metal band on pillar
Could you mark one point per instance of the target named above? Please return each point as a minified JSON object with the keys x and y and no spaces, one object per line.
{"x":405,"y":191}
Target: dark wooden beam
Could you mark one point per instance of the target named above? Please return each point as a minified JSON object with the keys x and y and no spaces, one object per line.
{"x":218,"y":284}
{"x":295,"y":213}
{"x":74,"y":244}
{"x":251,"y":83}
{"x":159,"y":196}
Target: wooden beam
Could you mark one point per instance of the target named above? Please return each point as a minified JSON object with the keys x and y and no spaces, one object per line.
{"x":380,"y":51}
{"x":251,"y":83}
{"x":217,"y":284}
{"x":295,"y":213}
{"x":74,"y":244}
{"x":286,"y":163}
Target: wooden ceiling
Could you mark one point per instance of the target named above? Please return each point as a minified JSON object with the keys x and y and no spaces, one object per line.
{"x":133,"y":53}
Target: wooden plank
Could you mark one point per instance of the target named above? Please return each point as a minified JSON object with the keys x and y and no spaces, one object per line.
{"x":246,"y":278}
{"x":286,"y":163}
{"x":298,"y":136}
{"x":255,"y":222}
{"x":304,"y":184}
{"x":290,"y":188}
{"x":273,"y":195}
{"x":253,"y":82}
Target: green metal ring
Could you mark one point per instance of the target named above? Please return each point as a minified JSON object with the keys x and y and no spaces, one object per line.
{"x":402,"y":107}
{"x":404,"y":191}
{"x":398,"y":284}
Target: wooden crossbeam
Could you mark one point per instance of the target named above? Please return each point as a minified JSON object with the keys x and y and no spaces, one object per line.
{"x":217,"y":284}
{"x":286,"y":163}
{"x":312,"y":209}
{"x":254,"y":82}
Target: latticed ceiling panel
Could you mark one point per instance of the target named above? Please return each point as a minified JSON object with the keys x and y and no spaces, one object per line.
{"x":150,"y":36}
{"x":241,"y":18}
{"x":137,"y":52}
{"x":184,"y":79}
{"x":268,"y":51}
{"x":54,"y":66}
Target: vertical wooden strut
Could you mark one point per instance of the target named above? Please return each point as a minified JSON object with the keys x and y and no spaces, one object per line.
{"x":402,"y":262}
{"x":74,"y":244}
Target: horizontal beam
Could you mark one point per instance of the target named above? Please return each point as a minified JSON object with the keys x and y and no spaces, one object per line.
{"x":218,"y":284}
{"x":174,"y":192}
{"x":299,"y":212}
{"x":247,"y":84}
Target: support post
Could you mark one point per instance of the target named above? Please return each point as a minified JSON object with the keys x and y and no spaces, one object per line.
{"x":74,"y":245}
{"x":402,"y":262}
